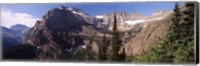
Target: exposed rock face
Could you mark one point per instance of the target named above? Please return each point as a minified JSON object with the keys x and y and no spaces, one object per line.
{"x":127,"y":22}
{"x":65,"y":29}
{"x":107,"y":20}
{"x":60,"y":29}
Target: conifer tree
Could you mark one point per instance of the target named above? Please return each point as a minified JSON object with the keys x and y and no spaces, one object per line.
{"x":185,"y":53}
{"x":115,"y":43}
{"x":102,"y":49}
{"x":173,"y":30}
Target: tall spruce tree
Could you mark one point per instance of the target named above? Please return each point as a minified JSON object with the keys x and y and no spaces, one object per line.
{"x":115,"y":43}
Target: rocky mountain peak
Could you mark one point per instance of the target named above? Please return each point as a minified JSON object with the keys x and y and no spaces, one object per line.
{"x":61,"y":28}
{"x":73,"y":10}
{"x":160,"y":13}
{"x":136,"y":16}
{"x":19,"y":27}
{"x":121,"y":14}
{"x":65,"y":17}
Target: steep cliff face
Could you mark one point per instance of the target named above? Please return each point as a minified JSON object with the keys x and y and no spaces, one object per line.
{"x":60,"y":29}
{"x":107,"y":20}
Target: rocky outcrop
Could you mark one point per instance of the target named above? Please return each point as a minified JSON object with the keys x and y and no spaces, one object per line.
{"x":107,"y":20}
{"x":60,"y":29}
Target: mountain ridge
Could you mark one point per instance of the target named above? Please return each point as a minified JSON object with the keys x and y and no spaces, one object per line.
{"x":64,"y":29}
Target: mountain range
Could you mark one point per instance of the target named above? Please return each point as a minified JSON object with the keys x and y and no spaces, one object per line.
{"x":13,"y":35}
{"x":65,"y":29}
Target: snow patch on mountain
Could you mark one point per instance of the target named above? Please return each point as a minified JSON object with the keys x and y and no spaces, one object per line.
{"x":69,"y":8}
{"x":100,"y":17}
{"x":77,"y":13}
{"x":135,"y":21}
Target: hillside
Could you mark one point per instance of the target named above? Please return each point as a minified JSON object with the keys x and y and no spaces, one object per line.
{"x":147,"y":36}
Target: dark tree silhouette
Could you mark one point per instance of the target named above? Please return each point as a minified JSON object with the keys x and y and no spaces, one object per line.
{"x":115,"y":43}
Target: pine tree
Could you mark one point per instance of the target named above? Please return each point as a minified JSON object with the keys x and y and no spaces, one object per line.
{"x":102,"y":49}
{"x":185,"y":53}
{"x":173,"y":30}
{"x":173,"y":35}
{"x":116,"y":42}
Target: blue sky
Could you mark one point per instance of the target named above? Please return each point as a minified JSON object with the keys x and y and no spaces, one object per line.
{"x":38,"y":10}
{"x":145,"y":8}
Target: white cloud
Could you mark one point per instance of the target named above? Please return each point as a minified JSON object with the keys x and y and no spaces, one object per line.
{"x":9,"y":18}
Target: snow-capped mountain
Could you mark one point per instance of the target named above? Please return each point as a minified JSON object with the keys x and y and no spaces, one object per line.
{"x":125,"y":21}
{"x":79,"y":13}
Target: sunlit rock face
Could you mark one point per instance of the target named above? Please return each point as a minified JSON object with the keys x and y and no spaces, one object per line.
{"x":60,"y":29}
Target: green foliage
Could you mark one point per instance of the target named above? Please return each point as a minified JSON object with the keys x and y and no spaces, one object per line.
{"x":178,"y":44}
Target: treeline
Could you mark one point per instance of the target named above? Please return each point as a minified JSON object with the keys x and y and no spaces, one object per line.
{"x":178,"y":44}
